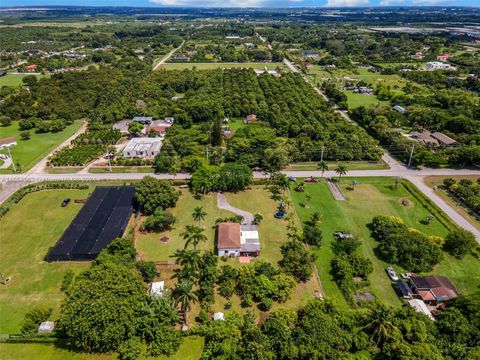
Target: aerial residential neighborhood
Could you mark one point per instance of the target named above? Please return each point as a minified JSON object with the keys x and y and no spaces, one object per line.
{"x":260,"y":180}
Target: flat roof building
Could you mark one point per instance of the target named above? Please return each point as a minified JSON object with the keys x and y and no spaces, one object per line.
{"x":142,"y":147}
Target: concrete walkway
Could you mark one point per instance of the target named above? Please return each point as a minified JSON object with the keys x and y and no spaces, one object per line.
{"x":6,"y":163}
{"x":335,"y":190}
{"x":222,"y":203}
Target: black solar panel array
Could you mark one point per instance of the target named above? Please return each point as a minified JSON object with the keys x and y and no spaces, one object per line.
{"x":104,"y":217}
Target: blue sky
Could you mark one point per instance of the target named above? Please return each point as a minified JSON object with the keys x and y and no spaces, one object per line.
{"x":243,"y":3}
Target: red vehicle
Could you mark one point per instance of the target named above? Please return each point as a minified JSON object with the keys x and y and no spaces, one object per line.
{"x":311,"y":180}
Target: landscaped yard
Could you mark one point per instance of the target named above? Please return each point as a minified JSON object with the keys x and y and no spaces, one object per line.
{"x":149,"y":245}
{"x":27,"y":232}
{"x":209,"y":66}
{"x":371,"y":197}
{"x":29,"y":152}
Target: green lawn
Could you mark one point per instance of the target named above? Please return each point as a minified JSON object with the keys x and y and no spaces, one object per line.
{"x":122,"y":170}
{"x":27,"y":231}
{"x":228,"y":65}
{"x":15,"y":79}
{"x":371,"y":197}
{"x":355,"y":100}
{"x":29,"y":152}
{"x":191,"y":349}
{"x":351,"y":165}
{"x":149,"y":245}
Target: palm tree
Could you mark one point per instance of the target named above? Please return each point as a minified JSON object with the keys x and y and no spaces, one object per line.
{"x":190,"y":261}
{"x":281,"y":180}
{"x":341,"y":170}
{"x":308,"y":197}
{"x":193,"y":235}
{"x":314,"y":218}
{"x":199,"y":214}
{"x":322,"y":165}
{"x":184,"y":295}
{"x":381,"y":324}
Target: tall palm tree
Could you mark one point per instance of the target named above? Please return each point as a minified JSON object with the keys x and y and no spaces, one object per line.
{"x":322,"y":165}
{"x":199,"y":214}
{"x":193,"y":235}
{"x":381,"y":325}
{"x":341,"y":170}
{"x":184,"y":295}
{"x":190,"y":261}
{"x":315,"y":218}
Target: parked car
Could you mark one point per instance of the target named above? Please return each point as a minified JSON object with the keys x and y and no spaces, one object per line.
{"x":342,"y":235}
{"x":3,"y":157}
{"x":292,"y":178}
{"x":391,"y":273}
{"x":311,"y":180}
{"x":65,"y":202}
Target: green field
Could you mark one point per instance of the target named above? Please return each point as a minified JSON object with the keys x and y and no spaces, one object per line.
{"x":149,"y":246}
{"x":209,"y":66}
{"x":29,"y":152}
{"x":351,"y":165}
{"x":27,"y":231}
{"x":371,"y":197}
{"x":122,"y":170}
{"x":355,"y":100}
{"x":191,"y":349}
{"x":14,"y":79}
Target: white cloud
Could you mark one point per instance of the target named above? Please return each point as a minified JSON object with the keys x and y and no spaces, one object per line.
{"x":346,"y":3}
{"x":210,"y":3}
{"x":391,"y":2}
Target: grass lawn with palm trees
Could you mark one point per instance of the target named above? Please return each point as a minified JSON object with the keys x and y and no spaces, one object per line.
{"x":371,"y":197}
{"x":152,"y":249}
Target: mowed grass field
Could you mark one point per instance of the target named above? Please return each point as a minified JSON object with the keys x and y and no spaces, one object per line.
{"x":29,"y":152}
{"x":15,"y":79}
{"x":371,"y":197}
{"x":351,"y":165}
{"x":227,"y":65}
{"x":27,"y":232}
{"x":191,"y":349}
{"x":149,"y":246}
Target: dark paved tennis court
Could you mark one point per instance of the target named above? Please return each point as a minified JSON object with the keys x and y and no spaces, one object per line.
{"x":103,"y":218}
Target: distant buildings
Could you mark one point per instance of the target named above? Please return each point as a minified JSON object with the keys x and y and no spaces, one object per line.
{"x":437,"y":65}
{"x":142,"y":147}
{"x":311,"y":54}
{"x":436,"y":138}
{"x":250,"y":118}
{"x":400,"y":109}
{"x":444,"y":57}
{"x":31,"y":68}
{"x":145,"y":120}
{"x":238,"y":240}
{"x":433,"y":289}
{"x":359,"y":89}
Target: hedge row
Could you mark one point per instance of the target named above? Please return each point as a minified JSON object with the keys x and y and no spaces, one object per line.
{"x":430,"y":205}
{"x":18,"y":195}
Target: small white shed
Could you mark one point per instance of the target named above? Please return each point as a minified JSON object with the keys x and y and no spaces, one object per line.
{"x":218,"y":316}
{"x":156,"y":288}
{"x":46,"y":327}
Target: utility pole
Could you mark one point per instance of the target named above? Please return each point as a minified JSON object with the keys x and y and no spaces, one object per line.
{"x":321,"y":155}
{"x":411,"y":155}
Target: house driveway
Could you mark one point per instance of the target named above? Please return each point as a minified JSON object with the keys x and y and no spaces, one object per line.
{"x":222,"y":203}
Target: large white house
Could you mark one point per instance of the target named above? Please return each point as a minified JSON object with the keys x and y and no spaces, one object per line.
{"x":142,"y":147}
{"x":437,"y":65}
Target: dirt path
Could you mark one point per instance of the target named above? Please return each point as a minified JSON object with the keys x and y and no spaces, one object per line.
{"x":168,"y":56}
{"x":222,"y":203}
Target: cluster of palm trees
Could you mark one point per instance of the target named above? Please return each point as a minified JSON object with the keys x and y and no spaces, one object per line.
{"x":190,"y":261}
{"x":340,"y":170}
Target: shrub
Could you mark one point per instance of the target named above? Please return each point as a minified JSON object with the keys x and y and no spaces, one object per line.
{"x":459,"y":243}
{"x":5,"y":120}
{"x":132,"y":349}
{"x":33,"y":319}
{"x":159,"y":221}
{"x":147,"y":269}
{"x":266,"y":304}
{"x":25,"y":135}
